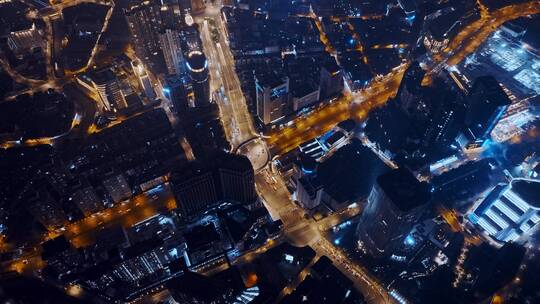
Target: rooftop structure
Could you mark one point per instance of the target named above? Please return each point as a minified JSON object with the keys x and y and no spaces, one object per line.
{"x":394,"y":205}
{"x":197,"y":66}
{"x":403,"y":189}
{"x":510,"y":211}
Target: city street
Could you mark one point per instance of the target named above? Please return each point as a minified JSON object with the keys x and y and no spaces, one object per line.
{"x":271,"y":188}
{"x":362,"y":102}
{"x":235,"y":117}
{"x":299,"y":228}
{"x":83,"y":233}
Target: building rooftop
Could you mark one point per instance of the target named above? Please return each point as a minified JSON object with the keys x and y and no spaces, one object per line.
{"x":269,"y":78}
{"x":201,"y":236}
{"x":493,"y":90}
{"x":350,"y":173}
{"x":196,"y":61}
{"x":102,"y":76}
{"x":330,"y":64}
{"x":405,"y":191}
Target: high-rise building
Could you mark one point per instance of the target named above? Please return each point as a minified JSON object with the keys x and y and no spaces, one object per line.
{"x":332,"y":81}
{"x":194,"y":188}
{"x":410,"y":88}
{"x":197,"y":67}
{"x":174,"y":90}
{"x":172,"y":51}
{"x":510,"y":210}
{"x":191,"y":39}
{"x":144,"y":79}
{"x":144,"y":22}
{"x":185,"y":5}
{"x":309,"y":189}
{"x":220,"y":176}
{"x":237,"y":178}
{"x":487,"y":102}
{"x":445,"y":121}
{"x":272,"y":97}
{"x":409,"y":7}
{"x":105,"y":84}
{"x":395,"y":203}
{"x":171,"y":14}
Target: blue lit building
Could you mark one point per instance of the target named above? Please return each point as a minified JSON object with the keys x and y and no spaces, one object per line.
{"x":197,"y":66}
{"x":487,"y":103}
{"x":174,"y":90}
{"x":272,"y":91}
{"x":510,"y":210}
{"x":395,"y":204}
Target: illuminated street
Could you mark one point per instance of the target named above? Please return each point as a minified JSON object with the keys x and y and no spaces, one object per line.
{"x":356,"y":105}
{"x":276,"y":197}
{"x":321,"y":120}
{"x":83,"y":233}
{"x":126,"y":214}
{"x":233,"y":109}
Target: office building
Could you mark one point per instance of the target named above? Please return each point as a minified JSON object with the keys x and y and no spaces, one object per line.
{"x":344,"y":178}
{"x":410,"y":88}
{"x":144,"y":79}
{"x":304,"y":74}
{"x":463,"y":182}
{"x":510,"y":210}
{"x":332,"y":81}
{"x":106,"y":86}
{"x":194,"y":188}
{"x":444,"y":24}
{"x":309,"y":190}
{"x":172,"y":51}
{"x":117,"y":187}
{"x":144,"y":22}
{"x":394,"y":205}
{"x":487,"y":102}
{"x":272,"y":97}
{"x":197,"y":67}
{"x":305,"y":96}
{"x":85,"y":198}
{"x":174,"y":89}
{"x":445,"y":121}
{"x":171,"y":14}
{"x":324,"y":281}
{"x":237,"y":178}
{"x":218,"y":176}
